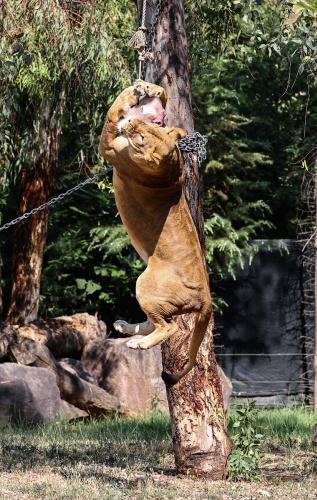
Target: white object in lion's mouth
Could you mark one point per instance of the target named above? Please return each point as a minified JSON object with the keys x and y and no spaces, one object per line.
{"x":149,"y":110}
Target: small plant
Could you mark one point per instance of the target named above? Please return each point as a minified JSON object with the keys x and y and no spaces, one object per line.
{"x":246,"y":441}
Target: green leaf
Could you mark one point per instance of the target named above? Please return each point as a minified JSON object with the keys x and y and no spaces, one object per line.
{"x":81,"y":283}
{"x":92,"y":287}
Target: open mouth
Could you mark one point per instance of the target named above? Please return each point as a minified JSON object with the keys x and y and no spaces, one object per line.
{"x":149,"y":110}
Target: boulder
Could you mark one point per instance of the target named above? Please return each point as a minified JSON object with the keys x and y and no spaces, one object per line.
{"x":133,"y":376}
{"x":8,"y":334}
{"x":31,"y":395}
{"x":76,"y":391}
{"x":67,"y":335}
{"x":76,"y":367}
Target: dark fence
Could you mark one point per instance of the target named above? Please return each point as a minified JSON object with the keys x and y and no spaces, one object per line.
{"x":260,"y":338}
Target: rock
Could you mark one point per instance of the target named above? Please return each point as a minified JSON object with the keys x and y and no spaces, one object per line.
{"x":31,"y":395}
{"x":76,"y":367}
{"x":8,"y":334}
{"x":133,"y":376}
{"x":88,"y":397}
{"x":67,"y":335}
{"x":226,"y":386}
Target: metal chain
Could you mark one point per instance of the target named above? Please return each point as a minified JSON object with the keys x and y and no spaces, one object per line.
{"x":54,"y":200}
{"x":194,"y":143}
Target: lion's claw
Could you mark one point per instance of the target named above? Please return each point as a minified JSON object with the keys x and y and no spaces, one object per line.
{"x":144,"y":89}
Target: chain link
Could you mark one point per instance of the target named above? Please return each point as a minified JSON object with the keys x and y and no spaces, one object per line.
{"x":194,"y":143}
{"x":54,"y":200}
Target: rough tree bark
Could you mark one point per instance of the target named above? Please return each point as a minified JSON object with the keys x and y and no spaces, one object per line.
{"x":30,"y":234}
{"x":200,"y":439}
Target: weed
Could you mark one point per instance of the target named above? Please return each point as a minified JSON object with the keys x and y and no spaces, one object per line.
{"x":246,"y":441}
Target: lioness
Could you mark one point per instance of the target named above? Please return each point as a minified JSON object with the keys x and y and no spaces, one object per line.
{"x":147,"y":183}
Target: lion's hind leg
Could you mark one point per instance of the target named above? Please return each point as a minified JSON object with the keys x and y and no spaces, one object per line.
{"x":144,"y":328}
{"x":163,"y":330}
{"x":201,"y":324}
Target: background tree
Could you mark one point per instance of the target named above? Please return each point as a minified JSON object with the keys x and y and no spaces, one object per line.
{"x":247,"y":96}
{"x":57,"y":60}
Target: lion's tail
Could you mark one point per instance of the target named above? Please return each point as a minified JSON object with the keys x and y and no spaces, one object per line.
{"x":201,"y":324}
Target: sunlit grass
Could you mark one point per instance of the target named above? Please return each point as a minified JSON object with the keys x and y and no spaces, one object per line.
{"x":121,"y":458}
{"x":287,"y":427}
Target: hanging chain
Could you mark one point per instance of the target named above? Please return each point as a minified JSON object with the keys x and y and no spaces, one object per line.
{"x":54,"y":200}
{"x":194,"y":143}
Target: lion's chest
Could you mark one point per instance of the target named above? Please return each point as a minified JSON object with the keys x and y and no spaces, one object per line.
{"x":145,"y":212}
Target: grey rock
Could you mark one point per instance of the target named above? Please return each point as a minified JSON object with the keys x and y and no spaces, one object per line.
{"x":30,"y":395}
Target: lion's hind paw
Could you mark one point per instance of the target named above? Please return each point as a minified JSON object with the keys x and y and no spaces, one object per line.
{"x":136,"y":344}
{"x":121,"y":326}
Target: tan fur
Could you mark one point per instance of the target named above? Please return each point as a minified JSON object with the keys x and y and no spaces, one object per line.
{"x":147,"y":182}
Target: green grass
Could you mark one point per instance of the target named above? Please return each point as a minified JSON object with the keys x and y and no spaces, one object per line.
{"x":126,"y":458}
{"x":287,"y":427}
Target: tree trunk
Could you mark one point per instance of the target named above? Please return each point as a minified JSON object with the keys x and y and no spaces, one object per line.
{"x":200,"y":439}
{"x":30,"y":234}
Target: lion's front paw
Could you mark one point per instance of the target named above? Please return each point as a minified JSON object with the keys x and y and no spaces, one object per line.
{"x":136,"y":344}
{"x":121,"y":326}
{"x":146,"y":89}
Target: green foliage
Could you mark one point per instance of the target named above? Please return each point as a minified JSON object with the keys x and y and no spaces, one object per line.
{"x":246,"y":441}
{"x":259,"y":118}
{"x":89,"y":263}
{"x":248,"y":99}
{"x":74,"y":57}
{"x":48,"y":50}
